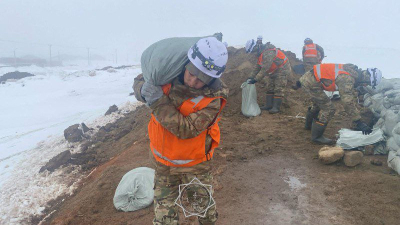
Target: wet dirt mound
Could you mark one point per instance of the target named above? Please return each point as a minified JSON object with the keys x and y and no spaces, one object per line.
{"x":266,"y":170}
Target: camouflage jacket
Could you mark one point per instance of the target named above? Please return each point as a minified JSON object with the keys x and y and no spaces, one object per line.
{"x":268,"y":59}
{"x":165,"y":108}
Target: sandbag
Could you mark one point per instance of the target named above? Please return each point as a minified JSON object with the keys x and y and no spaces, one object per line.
{"x":249,"y":100}
{"x":391,"y":145}
{"x":135,"y":190}
{"x":396,"y":133}
{"x":391,"y":118}
{"x":349,"y":139}
{"x":394,"y":161}
{"x":165,"y":59}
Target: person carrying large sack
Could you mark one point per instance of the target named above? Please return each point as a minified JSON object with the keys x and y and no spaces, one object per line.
{"x":275,"y":68}
{"x":332,"y":77}
{"x":313,"y":54}
{"x":183,"y":128}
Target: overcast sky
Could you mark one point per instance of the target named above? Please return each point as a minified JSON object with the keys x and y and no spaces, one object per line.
{"x":130,"y":26}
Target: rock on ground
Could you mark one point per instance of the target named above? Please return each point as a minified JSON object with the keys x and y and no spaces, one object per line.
{"x":57,"y":161}
{"x":112,"y":109}
{"x":329,"y":155}
{"x":73,"y":133}
{"x":353,"y":158}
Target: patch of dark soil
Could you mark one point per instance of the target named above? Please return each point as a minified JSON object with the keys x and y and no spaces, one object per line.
{"x":15,"y":75}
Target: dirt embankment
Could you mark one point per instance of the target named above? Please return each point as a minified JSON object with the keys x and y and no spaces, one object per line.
{"x":266,"y":170}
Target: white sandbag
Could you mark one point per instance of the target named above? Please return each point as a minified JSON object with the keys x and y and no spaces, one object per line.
{"x":135,"y":190}
{"x":380,"y":148}
{"x":391,"y":145}
{"x":391,"y":118}
{"x":396,"y":133}
{"x":380,"y":124}
{"x":349,"y":139}
{"x":385,"y":85}
{"x":367,"y":100}
{"x":394,"y":161}
{"x":377,"y":103}
{"x":249,"y":100}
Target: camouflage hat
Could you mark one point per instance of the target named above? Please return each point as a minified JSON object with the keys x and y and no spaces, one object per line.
{"x":202,"y":76}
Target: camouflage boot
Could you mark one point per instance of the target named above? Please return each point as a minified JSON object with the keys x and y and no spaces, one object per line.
{"x":269,"y":101}
{"x":310,"y":116}
{"x":317,"y":132}
{"x":277,"y":105}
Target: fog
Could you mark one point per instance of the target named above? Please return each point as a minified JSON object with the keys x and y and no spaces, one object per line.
{"x":127,"y":27}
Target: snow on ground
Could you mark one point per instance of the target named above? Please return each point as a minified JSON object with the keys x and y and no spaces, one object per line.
{"x":26,"y":192}
{"x":34,"y":113}
{"x":35,"y":107}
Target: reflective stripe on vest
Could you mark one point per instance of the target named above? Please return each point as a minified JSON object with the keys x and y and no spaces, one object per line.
{"x":328,"y":71}
{"x":310,"y":51}
{"x":176,"y":161}
{"x":170,"y":150}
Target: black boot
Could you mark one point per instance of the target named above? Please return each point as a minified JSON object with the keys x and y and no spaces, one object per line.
{"x":317,"y":132}
{"x":310,"y":117}
{"x":277,"y":105}
{"x":269,"y":101}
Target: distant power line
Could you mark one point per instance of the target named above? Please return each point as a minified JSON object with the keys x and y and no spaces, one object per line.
{"x":43,"y":44}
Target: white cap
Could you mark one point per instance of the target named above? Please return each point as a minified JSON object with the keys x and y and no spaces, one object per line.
{"x":250,"y":45}
{"x":259,"y":37}
{"x":376,"y":76}
{"x":209,"y":56}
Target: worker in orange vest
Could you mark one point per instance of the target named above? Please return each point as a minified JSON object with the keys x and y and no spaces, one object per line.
{"x":183,"y":128}
{"x":275,"y":69}
{"x":312,"y":54}
{"x":332,"y":77}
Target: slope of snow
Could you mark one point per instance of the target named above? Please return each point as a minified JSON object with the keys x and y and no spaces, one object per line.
{"x":34,"y":113}
{"x":35,"y":107}
{"x":25,"y":191}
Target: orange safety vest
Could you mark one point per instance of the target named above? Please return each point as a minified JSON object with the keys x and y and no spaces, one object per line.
{"x":172,"y":151}
{"x":275,"y":65}
{"x":329,"y":71}
{"x":310,"y":51}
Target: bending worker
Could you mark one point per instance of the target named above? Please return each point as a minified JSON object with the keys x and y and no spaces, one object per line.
{"x":331,"y":77}
{"x":183,"y":128}
{"x":313,"y":54}
{"x":275,"y":68}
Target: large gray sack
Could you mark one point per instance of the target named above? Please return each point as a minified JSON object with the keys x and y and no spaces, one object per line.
{"x":165,"y":59}
{"x":135,"y":190}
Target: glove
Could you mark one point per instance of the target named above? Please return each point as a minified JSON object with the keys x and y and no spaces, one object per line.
{"x":151,"y":93}
{"x":363,"y":127}
{"x":251,"y":81}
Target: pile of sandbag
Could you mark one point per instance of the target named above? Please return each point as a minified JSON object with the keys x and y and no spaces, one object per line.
{"x":384,"y":102}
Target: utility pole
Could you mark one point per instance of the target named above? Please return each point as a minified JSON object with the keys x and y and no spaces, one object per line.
{"x":88,"y":56}
{"x":50,"y":55}
{"x":15,"y":58}
{"x":116,"y":56}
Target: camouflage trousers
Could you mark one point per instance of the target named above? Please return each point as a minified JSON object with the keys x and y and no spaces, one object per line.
{"x":320,"y":101}
{"x":166,"y":191}
{"x":276,"y":82}
{"x":309,"y":65}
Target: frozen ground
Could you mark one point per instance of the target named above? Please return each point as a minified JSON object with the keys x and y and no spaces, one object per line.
{"x":34,"y":113}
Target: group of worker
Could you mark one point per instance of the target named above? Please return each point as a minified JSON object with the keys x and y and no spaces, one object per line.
{"x":275,"y":69}
{"x":183,"y":129}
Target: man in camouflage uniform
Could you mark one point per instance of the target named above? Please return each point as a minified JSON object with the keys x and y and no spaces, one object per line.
{"x":276,"y":80}
{"x":310,"y":60}
{"x":191,"y":83}
{"x":322,"y":109}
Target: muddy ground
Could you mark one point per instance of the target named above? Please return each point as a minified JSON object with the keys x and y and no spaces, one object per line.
{"x":266,"y":170}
